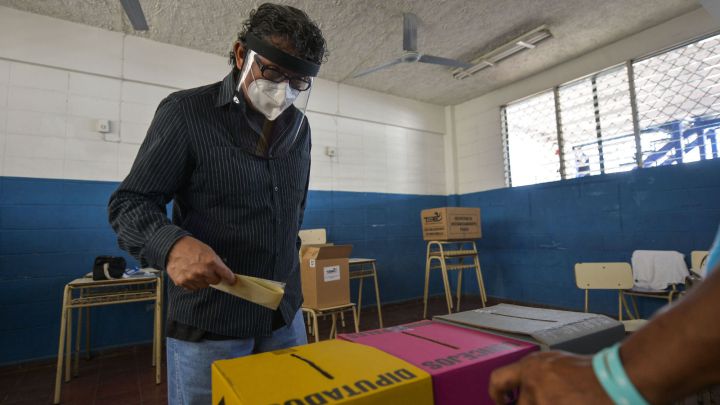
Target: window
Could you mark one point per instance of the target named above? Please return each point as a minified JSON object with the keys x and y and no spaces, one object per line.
{"x":678,"y":101}
{"x":596,"y":122}
{"x":581,"y":152}
{"x":677,"y":97}
{"x":532,"y":140}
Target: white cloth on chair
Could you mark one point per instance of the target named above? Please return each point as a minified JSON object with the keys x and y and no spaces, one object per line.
{"x":658,"y":269}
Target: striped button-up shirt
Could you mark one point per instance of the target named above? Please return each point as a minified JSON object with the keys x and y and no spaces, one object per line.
{"x":201,"y":152}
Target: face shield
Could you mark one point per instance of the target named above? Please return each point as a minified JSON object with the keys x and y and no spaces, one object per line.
{"x":277,"y":85}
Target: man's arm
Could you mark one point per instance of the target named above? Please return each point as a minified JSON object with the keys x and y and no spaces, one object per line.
{"x":137,"y":208}
{"x":675,"y":355}
{"x":678,"y":353}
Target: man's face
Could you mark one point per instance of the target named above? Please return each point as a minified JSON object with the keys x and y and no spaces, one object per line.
{"x":263,"y":68}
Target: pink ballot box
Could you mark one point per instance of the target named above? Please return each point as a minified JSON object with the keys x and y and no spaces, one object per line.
{"x":459,"y":360}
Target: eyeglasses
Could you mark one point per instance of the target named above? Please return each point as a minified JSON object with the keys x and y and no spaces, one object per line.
{"x":273,"y":74}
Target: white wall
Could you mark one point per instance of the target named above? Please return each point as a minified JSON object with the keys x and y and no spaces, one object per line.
{"x":477,"y":124}
{"x":52,"y":91}
{"x":451,"y":170}
{"x":384,"y":143}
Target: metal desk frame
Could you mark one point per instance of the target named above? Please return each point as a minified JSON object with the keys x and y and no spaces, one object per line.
{"x":98,"y":293}
{"x":360,"y":274}
{"x":314,"y":313}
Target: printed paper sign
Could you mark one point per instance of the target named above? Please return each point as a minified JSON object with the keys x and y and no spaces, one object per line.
{"x":312,"y":263}
{"x":331,"y":273}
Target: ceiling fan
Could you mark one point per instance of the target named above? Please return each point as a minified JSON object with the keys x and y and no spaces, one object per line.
{"x":411,"y":54}
{"x":135,"y":14}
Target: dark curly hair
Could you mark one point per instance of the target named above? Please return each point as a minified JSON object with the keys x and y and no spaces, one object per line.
{"x":291,"y":25}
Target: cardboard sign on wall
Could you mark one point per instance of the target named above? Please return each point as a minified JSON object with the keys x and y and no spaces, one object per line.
{"x":325,"y":276}
{"x":451,"y":223}
{"x":329,"y":372}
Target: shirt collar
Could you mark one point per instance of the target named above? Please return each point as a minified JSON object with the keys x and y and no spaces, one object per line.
{"x":227,"y":90}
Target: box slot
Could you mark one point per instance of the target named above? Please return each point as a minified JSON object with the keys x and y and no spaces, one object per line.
{"x":315,"y":366}
{"x":523,"y":317}
{"x":431,"y":340}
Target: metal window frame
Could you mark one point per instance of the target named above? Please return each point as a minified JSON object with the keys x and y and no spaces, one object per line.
{"x":506,"y":145}
{"x":629,"y":68}
{"x":506,"y":135}
{"x":633,"y":98}
{"x":598,"y":125}
{"x":560,"y":138}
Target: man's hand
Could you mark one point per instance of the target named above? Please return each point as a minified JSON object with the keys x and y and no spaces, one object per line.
{"x":193,"y":265}
{"x":550,"y":378}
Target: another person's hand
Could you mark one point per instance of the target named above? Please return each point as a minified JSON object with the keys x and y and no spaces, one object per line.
{"x":549,"y":378}
{"x":194,"y":265}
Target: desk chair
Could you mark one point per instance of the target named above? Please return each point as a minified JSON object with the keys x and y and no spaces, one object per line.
{"x":698,"y":258}
{"x":608,"y":276}
{"x":313,"y":236}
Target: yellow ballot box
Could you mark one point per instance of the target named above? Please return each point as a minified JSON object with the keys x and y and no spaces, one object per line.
{"x":329,"y":372}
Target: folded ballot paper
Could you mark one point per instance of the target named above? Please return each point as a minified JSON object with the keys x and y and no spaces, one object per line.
{"x":267,"y":293}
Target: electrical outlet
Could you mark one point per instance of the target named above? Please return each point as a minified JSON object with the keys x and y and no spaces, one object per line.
{"x":330,"y":151}
{"x":102,"y":126}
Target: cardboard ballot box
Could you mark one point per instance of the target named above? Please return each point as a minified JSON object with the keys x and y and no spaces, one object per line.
{"x":575,"y":332}
{"x":459,"y":360}
{"x":329,"y":372}
{"x":325,"y":276}
{"x":451,"y":223}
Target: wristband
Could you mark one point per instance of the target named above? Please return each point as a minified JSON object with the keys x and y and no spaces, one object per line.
{"x":609,"y":371}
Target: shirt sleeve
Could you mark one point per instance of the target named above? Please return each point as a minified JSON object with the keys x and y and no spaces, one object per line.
{"x":137,"y":209}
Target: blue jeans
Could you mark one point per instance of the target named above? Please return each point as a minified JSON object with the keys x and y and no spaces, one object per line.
{"x":188,"y":363}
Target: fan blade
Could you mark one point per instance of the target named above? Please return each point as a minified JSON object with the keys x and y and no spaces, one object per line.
{"x":409,"y":32}
{"x":436,"y":60}
{"x":376,"y":68}
{"x":135,"y":14}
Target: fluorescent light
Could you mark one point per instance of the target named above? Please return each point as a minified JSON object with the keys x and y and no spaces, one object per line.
{"x":529,"y":40}
{"x":525,"y":44}
{"x":135,"y":14}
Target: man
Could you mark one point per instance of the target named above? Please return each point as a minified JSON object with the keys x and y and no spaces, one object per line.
{"x":234,"y":157}
{"x":675,"y":355}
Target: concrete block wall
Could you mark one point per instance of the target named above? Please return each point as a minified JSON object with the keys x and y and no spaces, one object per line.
{"x":534,"y":235}
{"x":57,"y":172}
{"x":395,"y":157}
{"x":50,"y":231}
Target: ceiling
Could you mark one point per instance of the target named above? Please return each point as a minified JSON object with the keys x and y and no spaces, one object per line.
{"x":365,"y":33}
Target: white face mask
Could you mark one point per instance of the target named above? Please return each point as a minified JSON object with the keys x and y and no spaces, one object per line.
{"x":271,"y":98}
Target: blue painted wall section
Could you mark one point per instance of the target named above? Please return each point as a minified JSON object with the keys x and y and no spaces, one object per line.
{"x":51,"y":230}
{"x":385,"y":227}
{"x":533,"y":235}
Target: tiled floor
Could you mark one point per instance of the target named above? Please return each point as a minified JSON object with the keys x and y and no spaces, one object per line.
{"x":125,"y":376}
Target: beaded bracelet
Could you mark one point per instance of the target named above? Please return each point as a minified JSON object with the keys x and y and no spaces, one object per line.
{"x":613,"y":378}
